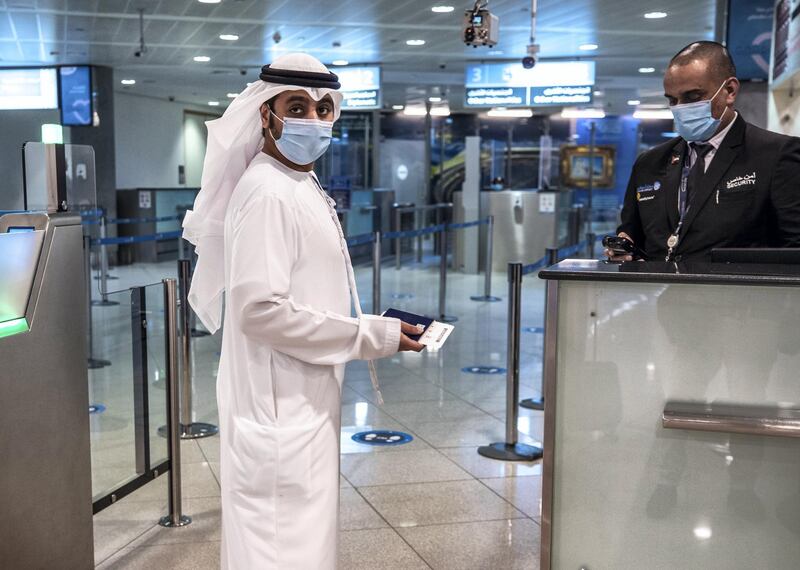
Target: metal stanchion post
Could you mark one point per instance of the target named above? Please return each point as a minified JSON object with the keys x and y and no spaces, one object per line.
{"x":422,"y":211}
{"x":181,"y":248}
{"x":103,"y":302}
{"x":551,"y":253}
{"x":590,"y":241}
{"x":175,"y":518}
{"x":376,"y":274}
{"x":487,"y":283}
{"x":92,"y":362}
{"x":443,"y":317}
{"x":189,"y":429}
{"x":397,"y":241}
{"x":104,"y":251}
{"x":511,"y":449}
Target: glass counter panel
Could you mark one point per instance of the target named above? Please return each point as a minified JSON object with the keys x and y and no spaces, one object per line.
{"x":628,"y":493}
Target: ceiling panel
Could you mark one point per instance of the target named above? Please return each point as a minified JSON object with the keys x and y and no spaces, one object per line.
{"x":365,"y":31}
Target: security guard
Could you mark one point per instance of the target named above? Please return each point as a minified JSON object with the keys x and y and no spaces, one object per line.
{"x":722,"y":183}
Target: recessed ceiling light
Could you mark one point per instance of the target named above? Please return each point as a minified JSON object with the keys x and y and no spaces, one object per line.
{"x":128,"y":82}
{"x":647,"y":69}
{"x":213,"y":103}
{"x":229,"y":37}
{"x":415,"y":111}
{"x":588,"y":47}
{"x":232,"y":95}
{"x":509,"y":113}
{"x":209,"y":1}
{"x":398,"y":107}
{"x":653,"y":114}
{"x":442,"y":9}
{"x":634,"y":102}
{"x":435,"y":99}
{"x":340,"y":62}
{"x":599,"y":93}
{"x":201,"y":58}
{"x":415,"y":42}
{"x":583,"y":114}
{"x":655,"y":15}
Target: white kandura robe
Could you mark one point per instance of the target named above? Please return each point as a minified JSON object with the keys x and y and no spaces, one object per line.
{"x":286,"y":338}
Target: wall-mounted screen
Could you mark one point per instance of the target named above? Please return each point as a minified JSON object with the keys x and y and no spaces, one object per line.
{"x":750,"y":37}
{"x":361,"y":87}
{"x":546,"y":84}
{"x":75,"y":85}
{"x":25,"y":88}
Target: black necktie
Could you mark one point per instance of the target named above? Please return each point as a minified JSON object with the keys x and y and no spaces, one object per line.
{"x":699,"y":167}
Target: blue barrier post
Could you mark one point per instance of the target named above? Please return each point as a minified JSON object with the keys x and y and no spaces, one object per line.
{"x":511,"y":449}
{"x":590,"y":241}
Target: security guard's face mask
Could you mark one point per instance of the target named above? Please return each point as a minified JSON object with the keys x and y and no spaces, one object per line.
{"x":694,"y":121}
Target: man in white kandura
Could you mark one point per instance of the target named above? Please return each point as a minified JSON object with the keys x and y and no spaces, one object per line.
{"x":268,"y":236}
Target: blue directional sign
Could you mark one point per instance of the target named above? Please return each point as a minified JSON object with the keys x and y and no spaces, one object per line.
{"x":483,"y":370}
{"x":382,"y":437}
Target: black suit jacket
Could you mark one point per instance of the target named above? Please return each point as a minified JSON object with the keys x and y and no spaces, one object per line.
{"x":748,"y":197}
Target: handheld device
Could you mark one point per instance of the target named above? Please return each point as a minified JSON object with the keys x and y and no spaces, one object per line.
{"x":622,"y":246}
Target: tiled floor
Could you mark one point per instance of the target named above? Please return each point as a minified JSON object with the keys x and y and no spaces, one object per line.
{"x":432,"y":503}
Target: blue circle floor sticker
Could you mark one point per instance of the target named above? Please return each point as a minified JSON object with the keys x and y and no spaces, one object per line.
{"x":484,"y":370}
{"x":382,"y":437}
{"x":96,"y":408}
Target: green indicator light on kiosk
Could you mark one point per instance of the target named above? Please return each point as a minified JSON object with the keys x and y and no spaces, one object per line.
{"x":16,"y":326}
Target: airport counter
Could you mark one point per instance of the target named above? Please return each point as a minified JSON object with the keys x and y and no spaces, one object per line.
{"x":672,"y":412}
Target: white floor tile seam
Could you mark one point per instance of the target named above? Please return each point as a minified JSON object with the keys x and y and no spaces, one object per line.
{"x":390,"y":526}
{"x":127,"y":544}
{"x":482,"y":482}
{"x":522,"y":516}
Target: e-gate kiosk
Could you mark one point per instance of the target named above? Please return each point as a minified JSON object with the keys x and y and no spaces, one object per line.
{"x":45,"y":479}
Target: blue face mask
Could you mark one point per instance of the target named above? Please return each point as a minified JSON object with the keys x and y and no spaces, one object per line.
{"x":694,"y":121}
{"x":303,"y":140}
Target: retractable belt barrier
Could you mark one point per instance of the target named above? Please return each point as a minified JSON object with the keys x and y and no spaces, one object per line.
{"x":377,"y":237}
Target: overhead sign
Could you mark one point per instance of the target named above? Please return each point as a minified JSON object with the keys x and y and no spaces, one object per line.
{"x":28,"y":88}
{"x":361,"y":87}
{"x":547,"y":84}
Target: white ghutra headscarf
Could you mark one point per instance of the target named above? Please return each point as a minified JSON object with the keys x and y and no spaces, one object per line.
{"x":233,"y":141}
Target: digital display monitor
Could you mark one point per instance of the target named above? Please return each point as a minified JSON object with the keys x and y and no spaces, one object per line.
{"x":361,"y":87}
{"x":549,"y":83}
{"x":20,"y":229}
{"x":28,"y":88}
{"x":75,"y":86}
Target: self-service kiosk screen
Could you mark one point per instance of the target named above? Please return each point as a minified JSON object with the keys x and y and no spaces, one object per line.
{"x":20,"y":229}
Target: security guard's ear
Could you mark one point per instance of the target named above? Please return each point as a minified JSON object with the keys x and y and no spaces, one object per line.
{"x":731,"y":90}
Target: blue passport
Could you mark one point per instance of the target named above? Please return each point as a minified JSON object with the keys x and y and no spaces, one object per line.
{"x":411,"y":319}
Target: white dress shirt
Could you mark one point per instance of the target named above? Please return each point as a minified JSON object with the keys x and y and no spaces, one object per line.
{"x":714,"y":141}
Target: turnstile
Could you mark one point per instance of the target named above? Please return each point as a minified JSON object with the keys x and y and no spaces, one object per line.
{"x":45,"y":479}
